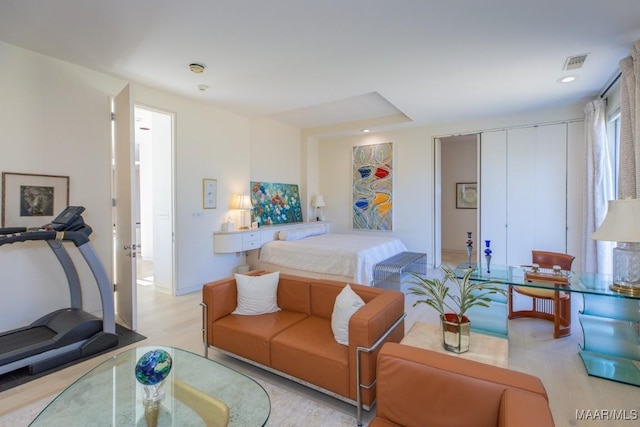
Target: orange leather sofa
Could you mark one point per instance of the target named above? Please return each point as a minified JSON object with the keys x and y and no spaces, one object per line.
{"x":418,"y":387}
{"x":298,"y":343}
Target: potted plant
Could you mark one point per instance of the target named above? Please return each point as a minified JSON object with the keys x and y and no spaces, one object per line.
{"x":452,"y":306}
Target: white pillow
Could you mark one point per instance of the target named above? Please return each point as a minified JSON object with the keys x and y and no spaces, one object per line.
{"x":302,"y":232}
{"x":257,"y":294}
{"x":347,"y":303}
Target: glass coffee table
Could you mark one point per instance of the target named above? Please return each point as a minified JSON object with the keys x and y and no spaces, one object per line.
{"x":196,"y":388}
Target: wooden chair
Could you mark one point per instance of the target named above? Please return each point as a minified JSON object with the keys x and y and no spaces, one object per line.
{"x":549,"y":304}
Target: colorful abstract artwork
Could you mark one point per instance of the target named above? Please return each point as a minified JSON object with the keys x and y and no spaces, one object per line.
{"x":275,"y":203}
{"x":373,"y":187}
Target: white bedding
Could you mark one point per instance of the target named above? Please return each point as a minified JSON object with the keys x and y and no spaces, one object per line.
{"x":351,"y":255}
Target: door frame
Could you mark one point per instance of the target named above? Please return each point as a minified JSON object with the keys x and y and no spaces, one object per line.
{"x":114,"y":243}
{"x":437,"y":194}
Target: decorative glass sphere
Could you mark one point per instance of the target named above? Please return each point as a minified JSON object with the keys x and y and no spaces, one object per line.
{"x":153,"y":367}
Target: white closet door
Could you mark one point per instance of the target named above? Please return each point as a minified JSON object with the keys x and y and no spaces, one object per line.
{"x":551,"y":188}
{"x":536,"y":191}
{"x":493,"y":196}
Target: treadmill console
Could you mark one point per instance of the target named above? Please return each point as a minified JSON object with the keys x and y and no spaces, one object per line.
{"x":69,"y":220}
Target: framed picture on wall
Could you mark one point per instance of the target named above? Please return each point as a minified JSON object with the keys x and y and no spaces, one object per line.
{"x":30,"y":200}
{"x":372,"y":188}
{"x":209,"y":193}
{"x":466,"y":195}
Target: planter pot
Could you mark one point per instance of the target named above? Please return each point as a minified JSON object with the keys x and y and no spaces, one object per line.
{"x":455,"y":336}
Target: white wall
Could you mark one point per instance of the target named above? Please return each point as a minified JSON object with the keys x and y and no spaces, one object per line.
{"x":276,"y":155}
{"x":311,"y":175}
{"x":54,"y":119}
{"x":210,"y":143}
{"x":275,"y":152}
{"x":412,"y":183}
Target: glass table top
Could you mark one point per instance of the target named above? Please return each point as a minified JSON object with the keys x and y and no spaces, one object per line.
{"x":586,"y":283}
{"x":110,"y":395}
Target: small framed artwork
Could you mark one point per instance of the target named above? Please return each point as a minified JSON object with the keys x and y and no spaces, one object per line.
{"x":30,"y":200}
{"x":209,"y":193}
{"x":466,"y":195}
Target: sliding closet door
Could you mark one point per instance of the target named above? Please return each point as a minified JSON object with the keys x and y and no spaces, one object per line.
{"x":536,"y":191}
{"x":493,"y":196}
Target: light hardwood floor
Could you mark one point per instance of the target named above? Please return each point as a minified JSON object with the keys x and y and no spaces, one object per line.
{"x":175,"y":321}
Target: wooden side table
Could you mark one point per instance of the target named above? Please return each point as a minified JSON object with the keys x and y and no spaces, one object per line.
{"x":482,"y":348}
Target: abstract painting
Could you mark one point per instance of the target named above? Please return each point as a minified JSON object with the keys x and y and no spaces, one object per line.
{"x":275,"y":203}
{"x":373,"y":187}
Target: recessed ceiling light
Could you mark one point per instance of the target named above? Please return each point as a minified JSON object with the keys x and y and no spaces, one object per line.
{"x":196,"y":68}
{"x":567,"y":79}
{"x":365,"y":131}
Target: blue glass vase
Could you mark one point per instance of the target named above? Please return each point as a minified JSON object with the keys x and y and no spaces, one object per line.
{"x":487,"y":255}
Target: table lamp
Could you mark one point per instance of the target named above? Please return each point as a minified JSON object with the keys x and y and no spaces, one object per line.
{"x":243,"y":203}
{"x":622,"y":225}
{"x":319,"y":204}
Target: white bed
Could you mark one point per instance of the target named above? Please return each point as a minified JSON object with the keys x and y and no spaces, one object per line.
{"x":347,"y":257}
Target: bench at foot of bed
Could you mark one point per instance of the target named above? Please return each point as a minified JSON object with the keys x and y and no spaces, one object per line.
{"x":387,"y":274}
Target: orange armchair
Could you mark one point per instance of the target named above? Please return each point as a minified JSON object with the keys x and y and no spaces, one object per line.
{"x":419,"y":387}
{"x":548,"y":304}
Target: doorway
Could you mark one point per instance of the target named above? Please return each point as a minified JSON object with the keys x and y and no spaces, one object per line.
{"x":153,"y":199}
{"x":457,"y":168}
{"x":142,"y":195}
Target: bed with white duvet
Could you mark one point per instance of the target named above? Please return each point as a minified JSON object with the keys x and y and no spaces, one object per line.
{"x":311,"y":252}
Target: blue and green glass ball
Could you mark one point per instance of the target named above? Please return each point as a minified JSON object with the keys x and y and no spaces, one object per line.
{"x":153,"y":367}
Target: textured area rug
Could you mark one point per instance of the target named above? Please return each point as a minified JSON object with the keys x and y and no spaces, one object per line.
{"x":293,"y":410}
{"x":288,"y":409}
{"x":22,"y":376}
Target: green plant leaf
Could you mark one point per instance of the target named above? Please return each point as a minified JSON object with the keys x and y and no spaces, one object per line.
{"x":469,"y":293}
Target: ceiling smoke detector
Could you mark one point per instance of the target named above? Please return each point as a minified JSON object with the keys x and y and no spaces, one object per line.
{"x":196,"y":68}
{"x":574,"y":62}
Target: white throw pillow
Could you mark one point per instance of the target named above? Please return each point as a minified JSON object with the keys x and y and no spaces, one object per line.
{"x":257,"y":294}
{"x":302,"y":232}
{"x":347,"y":303}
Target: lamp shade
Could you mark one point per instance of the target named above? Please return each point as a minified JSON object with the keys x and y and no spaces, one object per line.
{"x":245,"y":202}
{"x":622,"y":223}
{"x":242,"y":201}
{"x":319,"y":202}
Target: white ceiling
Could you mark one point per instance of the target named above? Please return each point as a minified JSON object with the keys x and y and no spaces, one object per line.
{"x":341,"y":63}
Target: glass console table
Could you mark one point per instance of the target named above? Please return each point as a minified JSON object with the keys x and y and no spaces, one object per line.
{"x":110,"y":395}
{"x":610,"y":321}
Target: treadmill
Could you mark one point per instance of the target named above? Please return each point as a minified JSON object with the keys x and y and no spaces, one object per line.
{"x":69,"y":333}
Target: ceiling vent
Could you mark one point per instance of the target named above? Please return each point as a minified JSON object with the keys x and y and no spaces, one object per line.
{"x":575,"y":62}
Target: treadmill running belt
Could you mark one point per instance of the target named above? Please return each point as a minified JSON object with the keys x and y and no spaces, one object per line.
{"x":24,"y":343}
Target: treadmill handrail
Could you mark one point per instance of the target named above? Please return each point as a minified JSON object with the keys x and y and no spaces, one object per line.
{"x":78,"y":237}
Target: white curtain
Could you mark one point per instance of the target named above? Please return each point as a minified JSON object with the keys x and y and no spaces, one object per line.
{"x":598,"y":189}
{"x":629,"y":170}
